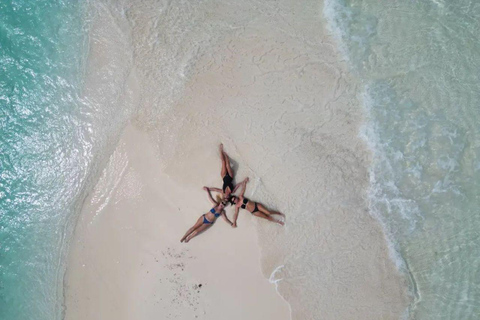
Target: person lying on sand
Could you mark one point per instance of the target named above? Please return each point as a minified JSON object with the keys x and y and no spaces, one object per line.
{"x":207,"y":220}
{"x":254,"y":208}
{"x":227,"y":176}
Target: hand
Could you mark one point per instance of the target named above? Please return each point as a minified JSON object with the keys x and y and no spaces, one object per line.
{"x":247,"y":179}
{"x":234,"y":225}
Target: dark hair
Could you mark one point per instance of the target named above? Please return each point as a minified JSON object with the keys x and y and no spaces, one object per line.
{"x":230,"y":199}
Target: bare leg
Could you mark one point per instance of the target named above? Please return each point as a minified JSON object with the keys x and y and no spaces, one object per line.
{"x":195,"y":226}
{"x":197,"y":231}
{"x":262,"y":208}
{"x":225,"y":163}
{"x":268,"y":217}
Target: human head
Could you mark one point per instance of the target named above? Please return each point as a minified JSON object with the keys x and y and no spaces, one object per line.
{"x":227,"y":193}
{"x":233,"y":199}
{"x":222,"y":200}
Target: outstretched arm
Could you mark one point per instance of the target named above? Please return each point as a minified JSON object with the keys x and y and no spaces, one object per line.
{"x":241,"y":184}
{"x":210,"y":195}
{"x":226,"y":218}
{"x":235,"y":216}
{"x":213,"y":189}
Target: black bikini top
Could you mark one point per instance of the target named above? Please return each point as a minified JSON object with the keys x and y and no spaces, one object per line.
{"x":245,"y":201}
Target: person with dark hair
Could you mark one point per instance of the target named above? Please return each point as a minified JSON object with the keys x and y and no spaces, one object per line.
{"x":255,"y":208}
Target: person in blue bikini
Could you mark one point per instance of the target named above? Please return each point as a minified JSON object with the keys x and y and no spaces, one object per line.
{"x":207,"y":220}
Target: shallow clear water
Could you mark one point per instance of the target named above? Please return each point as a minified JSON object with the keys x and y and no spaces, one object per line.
{"x":44,"y":150}
{"x":63,"y":102}
{"x":419,"y":64}
{"x":46,"y":145}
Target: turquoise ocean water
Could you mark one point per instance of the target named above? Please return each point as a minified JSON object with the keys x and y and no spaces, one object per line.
{"x":60,"y":117}
{"x":418,"y":63}
{"x":45,"y":150}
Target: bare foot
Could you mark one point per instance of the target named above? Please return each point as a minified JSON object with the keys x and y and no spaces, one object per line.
{"x":222,"y":152}
{"x":234,"y":225}
{"x":186,"y":240}
{"x":281,"y":223}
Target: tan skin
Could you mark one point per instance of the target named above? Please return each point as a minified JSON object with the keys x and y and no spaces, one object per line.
{"x":250,"y":206}
{"x":200,"y":226}
{"x":226,"y":168}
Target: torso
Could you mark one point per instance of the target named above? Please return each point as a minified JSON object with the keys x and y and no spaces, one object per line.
{"x":249,"y":206}
{"x":211,"y":216}
{"x":227,"y":184}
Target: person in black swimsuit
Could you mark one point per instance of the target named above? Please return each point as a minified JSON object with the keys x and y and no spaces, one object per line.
{"x":227,"y":176}
{"x":255,"y":208}
{"x":206,"y":220}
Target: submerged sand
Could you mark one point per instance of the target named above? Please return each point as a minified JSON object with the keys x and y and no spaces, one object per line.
{"x":273,"y":88}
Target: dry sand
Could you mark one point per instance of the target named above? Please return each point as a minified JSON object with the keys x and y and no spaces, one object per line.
{"x":127,"y":262}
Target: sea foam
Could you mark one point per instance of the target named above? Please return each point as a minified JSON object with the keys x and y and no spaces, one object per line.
{"x":420,"y":127}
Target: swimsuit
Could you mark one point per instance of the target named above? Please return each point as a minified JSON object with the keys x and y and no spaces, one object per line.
{"x":215,"y":213}
{"x":206,"y":221}
{"x":245,"y":201}
{"x":227,"y":182}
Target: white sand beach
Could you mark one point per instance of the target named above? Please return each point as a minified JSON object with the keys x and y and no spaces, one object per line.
{"x":273,"y":88}
{"x":127,"y":261}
